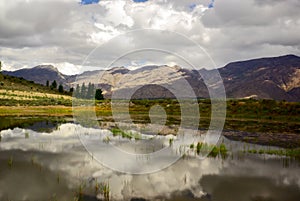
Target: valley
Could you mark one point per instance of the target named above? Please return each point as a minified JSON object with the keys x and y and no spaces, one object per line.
{"x":42,"y":126}
{"x":20,"y":97}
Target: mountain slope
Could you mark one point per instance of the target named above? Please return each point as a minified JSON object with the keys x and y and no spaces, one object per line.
{"x":40,"y":74}
{"x":270,"y":78}
{"x":10,"y":83}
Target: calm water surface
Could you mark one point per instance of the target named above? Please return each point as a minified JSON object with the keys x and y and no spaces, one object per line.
{"x":46,"y":161}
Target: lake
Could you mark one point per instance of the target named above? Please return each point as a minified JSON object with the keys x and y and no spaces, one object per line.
{"x":45,"y":159}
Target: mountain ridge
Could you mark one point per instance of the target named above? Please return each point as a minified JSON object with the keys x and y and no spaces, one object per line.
{"x":269,"y":78}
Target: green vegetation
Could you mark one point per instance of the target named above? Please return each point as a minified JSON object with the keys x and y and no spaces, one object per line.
{"x":10,"y":162}
{"x":105,"y":191}
{"x":88,"y":92}
{"x":79,"y":192}
{"x":37,"y":101}
{"x":213,"y":150}
{"x":98,"y":95}
{"x":263,"y":116}
{"x":272,"y":119}
{"x":124,"y":134}
{"x":53,"y":85}
{"x":244,"y":115}
{"x":60,"y":89}
{"x":293,"y":153}
{"x":11,"y":122}
{"x":16,"y":91}
{"x":45,"y":111}
{"x":250,"y":109}
{"x":26,"y":135}
{"x":263,"y":109}
{"x":20,"y":84}
{"x":171,"y":140}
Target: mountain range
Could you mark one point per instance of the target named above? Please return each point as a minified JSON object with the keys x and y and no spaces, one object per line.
{"x":275,"y":78}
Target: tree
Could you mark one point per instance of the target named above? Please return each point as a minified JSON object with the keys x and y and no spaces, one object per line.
{"x":83,"y":91}
{"x":71,"y":90}
{"x":0,"y":65}
{"x":60,"y":89}
{"x":90,"y":91}
{"x":99,"y":95}
{"x":54,"y":85}
{"x":77,"y":91}
{"x":47,"y":83}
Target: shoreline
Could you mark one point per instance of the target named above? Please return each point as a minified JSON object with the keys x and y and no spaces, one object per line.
{"x":239,"y":129}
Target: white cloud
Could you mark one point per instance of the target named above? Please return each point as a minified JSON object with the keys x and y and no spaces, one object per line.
{"x":116,"y":13}
{"x":68,"y":68}
{"x":34,"y":31}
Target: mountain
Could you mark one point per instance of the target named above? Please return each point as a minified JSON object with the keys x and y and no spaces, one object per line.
{"x":270,"y":78}
{"x":12,"y":85}
{"x":40,"y":74}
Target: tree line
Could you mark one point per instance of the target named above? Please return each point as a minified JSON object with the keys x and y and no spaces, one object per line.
{"x":88,"y":92}
{"x":83,"y":91}
{"x":53,"y":86}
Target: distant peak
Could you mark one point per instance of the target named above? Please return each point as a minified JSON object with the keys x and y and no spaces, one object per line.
{"x":289,"y":56}
{"x":49,"y":67}
{"x":116,"y":70}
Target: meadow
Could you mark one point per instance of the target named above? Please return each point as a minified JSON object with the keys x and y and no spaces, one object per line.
{"x":261,"y":121}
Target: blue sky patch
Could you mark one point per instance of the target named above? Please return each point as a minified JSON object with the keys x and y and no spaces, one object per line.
{"x":139,"y":1}
{"x":86,"y":2}
{"x":192,"y":6}
{"x":211,"y":4}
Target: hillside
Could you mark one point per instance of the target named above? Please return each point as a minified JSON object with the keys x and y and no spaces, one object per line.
{"x":275,"y":78}
{"x":18,"y":91}
{"x":40,"y":74}
{"x":269,"y":78}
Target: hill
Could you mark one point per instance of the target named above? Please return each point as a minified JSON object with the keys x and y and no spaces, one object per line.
{"x":269,"y":78}
{"x":275,"y":78}
{"x":18,"y":91}
{"x":40,"y":74}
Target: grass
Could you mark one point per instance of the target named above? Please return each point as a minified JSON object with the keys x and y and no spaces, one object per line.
{"x":26,"y":135}
{"x":213,"y":150}
{"x":10,"y":162}
{"x":20,"y":84}
{"x":79,"y":193}
{"x":21,"y":122}
{"x":104,"y":190}
{"x":15,"y":91}
{"x":36,"y":111}
{"x":255,"y":116}
{"x":244,"y":115}
{"x":171,"y":140}
{"x":293,"y":153}
{"x":58,"y":178}
{"x":125,"y":134}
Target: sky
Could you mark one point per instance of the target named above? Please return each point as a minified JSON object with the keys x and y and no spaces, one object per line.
{"x":79,"y":35}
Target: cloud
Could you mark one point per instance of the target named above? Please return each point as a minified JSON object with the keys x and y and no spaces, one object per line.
{"x":36,"y":31}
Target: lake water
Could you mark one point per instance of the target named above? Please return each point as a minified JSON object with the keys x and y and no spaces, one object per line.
{"x":46,"y":160}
